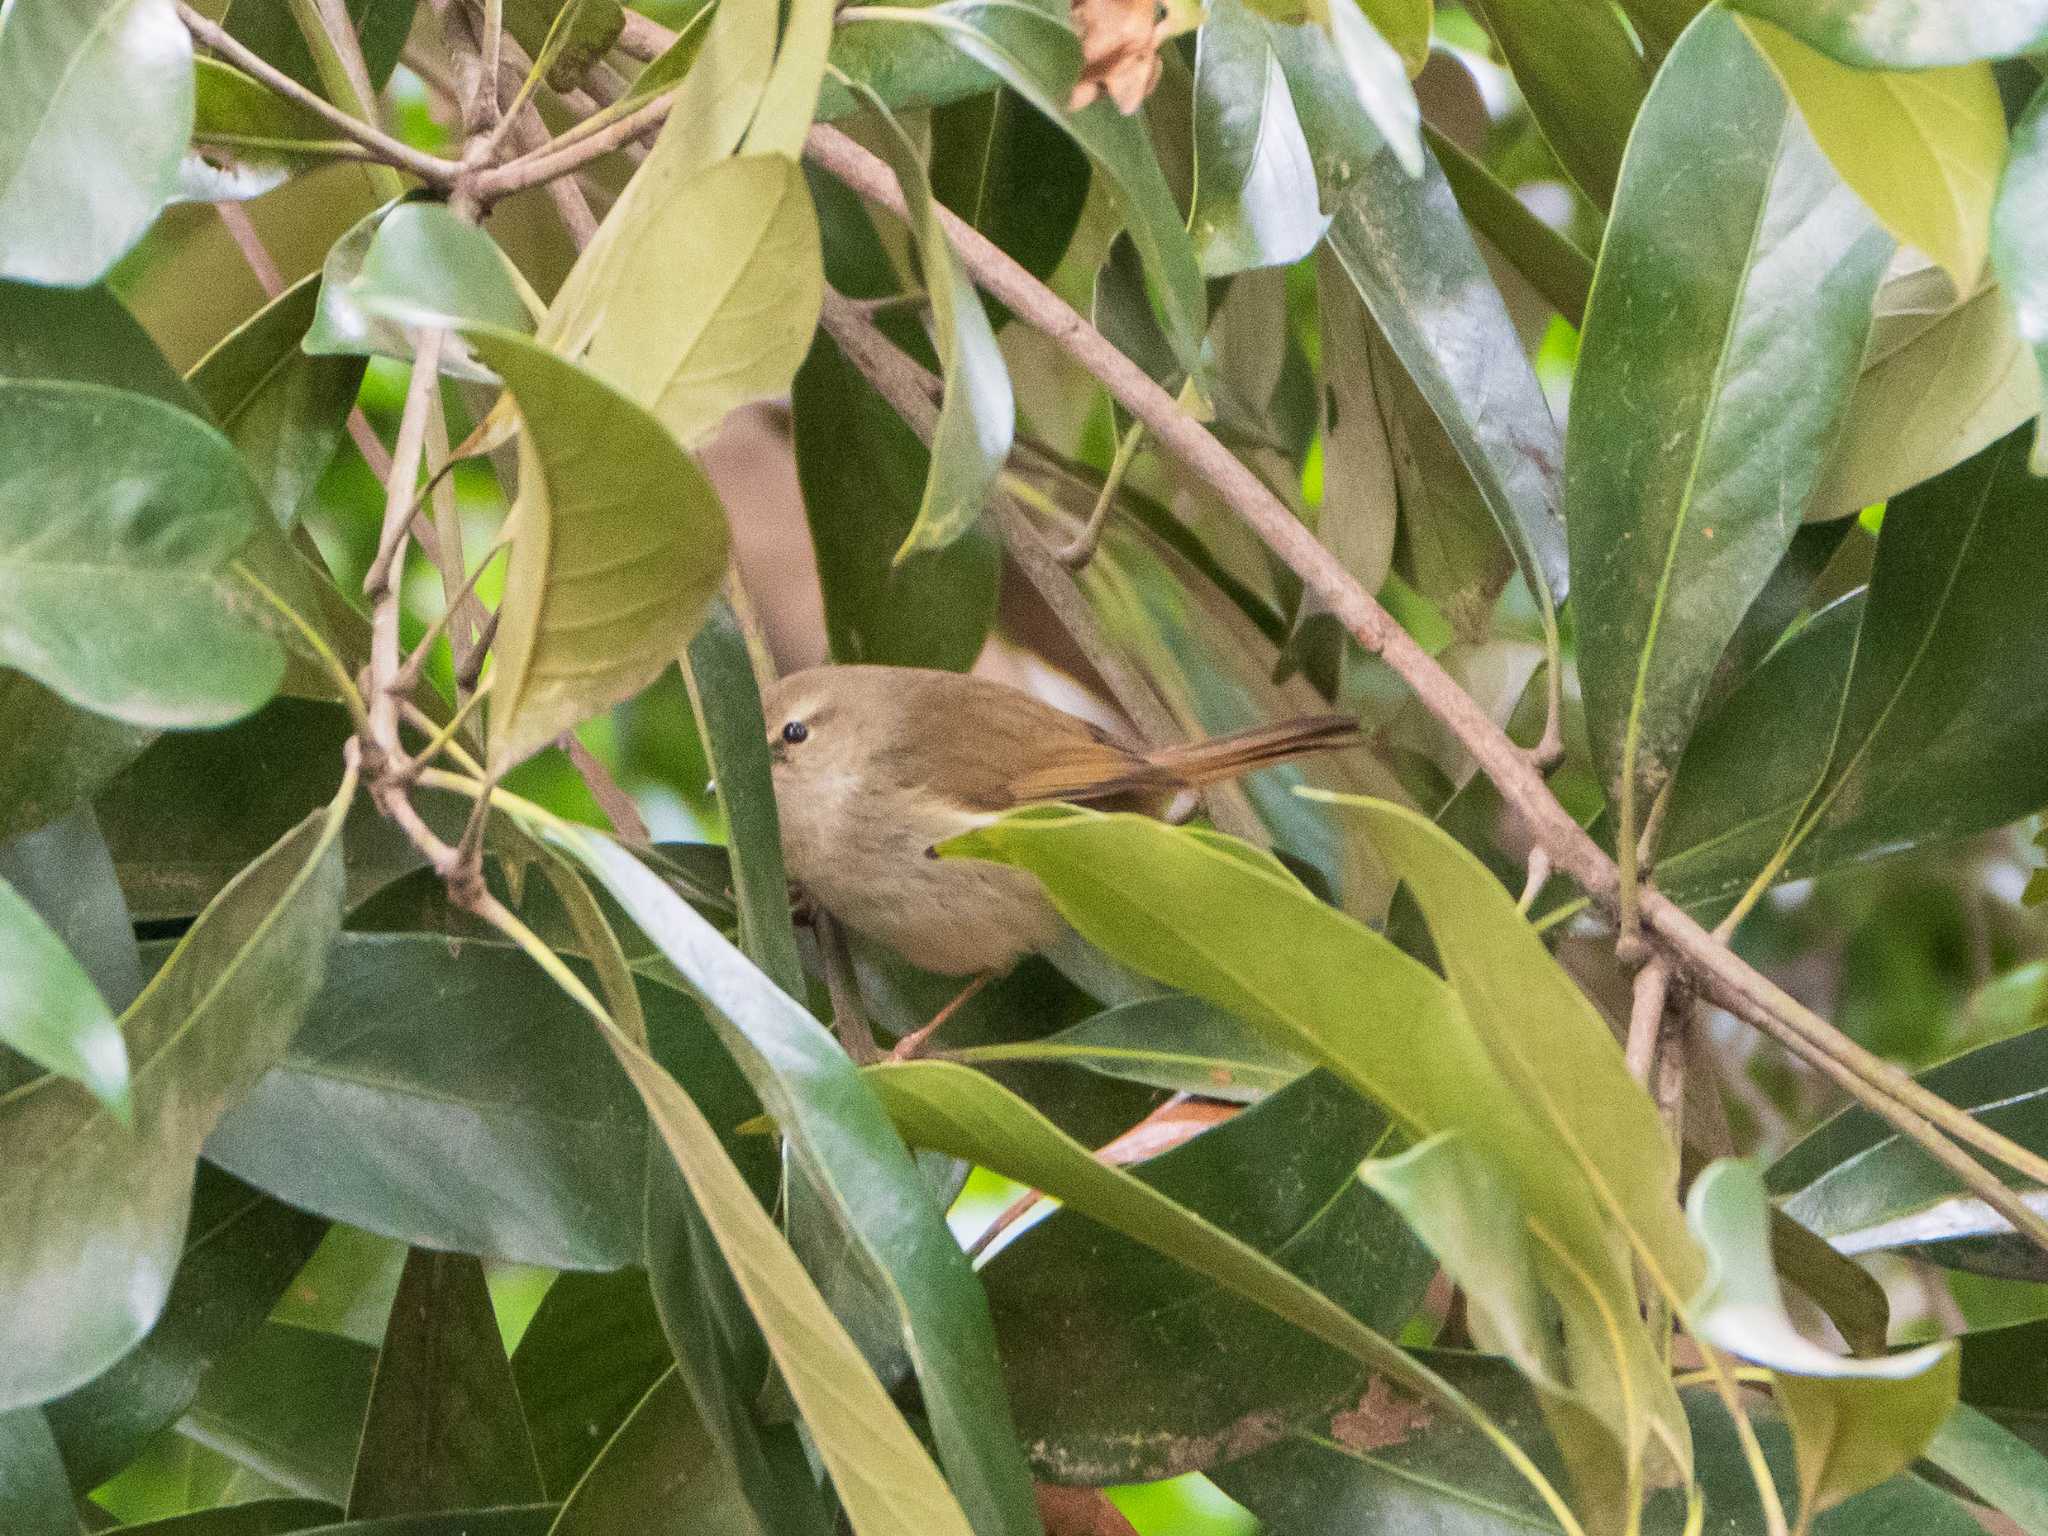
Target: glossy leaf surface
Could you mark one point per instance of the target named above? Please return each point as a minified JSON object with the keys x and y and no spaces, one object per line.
{"x":1712,"y":382}
{"x":1909,"y":34}
{"x":2019,"y":241}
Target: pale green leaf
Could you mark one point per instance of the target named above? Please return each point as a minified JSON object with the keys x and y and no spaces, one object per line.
{"x":1922,"y":148}
{"x":95,"y":108}
{"x":51,"y":1012}
{"x":119,"y":515}
{"x":1996,"y":1465}
{"x":1854,"y":1423}
{"x":1255,"y":186}
{"x":1910,"y":34}
{"x":1406,"y":24}
{"x":1379,"y":80}
{"x":746,"y":233}
{"x":789,"y":97}
{"x":619,"y":544}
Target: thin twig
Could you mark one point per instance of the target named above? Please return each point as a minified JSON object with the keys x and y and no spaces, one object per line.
{"x":604,"y":789}
{"x":849,"y":1019}
{"x":572,"y":151}
{"x":242,"y":229}
{"x":431,"y":169}
{"x":1082,"y":549}
{"x":1727,"y":978}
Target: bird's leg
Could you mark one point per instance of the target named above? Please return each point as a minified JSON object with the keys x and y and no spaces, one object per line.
{"x":912,"y":1043}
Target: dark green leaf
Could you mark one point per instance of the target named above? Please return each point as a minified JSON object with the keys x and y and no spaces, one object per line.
{"x":444,"y":1429}
{"x":1124,"y":1365}
{"x":101,"y":1209}
{"x":1009,"y":170}
{"x":87,"y":335}
{"x":863,"y":472}
{"x":837,"y":1127}
{"x":1555,"y":267}
{"x":34,"y":1499}
{"x":125,"y":606}
{"x":95,"y":107}
{"x":567,"y":35}
{"x":1909,"y":34}
{"x":256,"y":1517}
{"x":288,"y":1403}
{"x":1036,"y":54}
{"x":246,"y":139}
{"x":65,"y":873}
{"x":1255,"y":187}
{"x":283,"y":409}
{"x":659,"y":1475}
{"x":1938,"y":732}
{"x":1406,"y":247}
{"x":524,"y":1140}
{"x":198,"y":806}
{"x":54,"y":757}
{"x":592,"y":1351}
{"x":1579,"y":70}
{"x":2019,"y":241}
{"x":241,"y":1251}
{"x":273,"y":31}
{"x":1711,"y":386}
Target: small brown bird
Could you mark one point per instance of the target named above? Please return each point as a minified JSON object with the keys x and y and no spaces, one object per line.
{"x":876,"y":765}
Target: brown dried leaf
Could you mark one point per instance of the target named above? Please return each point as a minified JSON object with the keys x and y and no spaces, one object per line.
{"x":1080,"y":1512}
{"x":1119,"y":51}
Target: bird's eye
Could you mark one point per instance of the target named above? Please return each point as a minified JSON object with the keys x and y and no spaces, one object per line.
{"x":795,"y":732}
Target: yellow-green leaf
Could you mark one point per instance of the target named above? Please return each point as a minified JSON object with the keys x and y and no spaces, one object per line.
{"x":1922,"y":148}
{"x":619,"y":543}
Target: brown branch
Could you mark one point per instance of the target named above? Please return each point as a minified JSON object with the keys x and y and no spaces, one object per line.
{"x":1720,"y":973}
{"x":431,"y":169}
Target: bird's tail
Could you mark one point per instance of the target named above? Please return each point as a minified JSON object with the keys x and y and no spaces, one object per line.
{"x":1197,"y":763}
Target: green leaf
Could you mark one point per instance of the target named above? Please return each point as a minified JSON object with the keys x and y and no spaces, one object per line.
{"x":1359,"y":518}
{"x":33,"y":1494}
{"x":659,"y":1474}
{"x":1255,"y":187}
{"x":247,"y":140}
{"x":87,"y":335}
{"x":410,"y":264}
{"x":54,"y":757}
{"x":65,"y":873}
{"x":1011,"y":172}
{"x":957,"y":1110}
{"x":190,"y":812}
{"x":746,"y":232}
{"x":1909,"y":34}
{"x":1407,"y":249}
{"x":95,"y":107}
{"x":592,"y":1351}
{"x":1996,"y":1465}
{"x":1554,"y":266}
{"x":1923,"y":149}
{"x":444,"y":1429}
{"x":1125,"y":1364}
{"x":1579,"y":70}
{"x":52,"y":1013}
{"x":103,"y":1207}
{"x":837,"y":1128}
{"x":252,"y":1517}
{"x":1379,"y":82}
{"x":273,"y":32}
{"x":123,"y":606}
{"x":863,"y":473}
{"x":1711,"y":385}
{"x":528,"y":1142}
{"x":283,"y":409}
{"x":1036,"y":54}
{"x":2019,"y":244}
{"x":977,"y":414}
{"x":288,"y":1403}
{"x":1210,"y":915}
{"x":1180,"y":1043}
{"x":619,"y":543}
{"x":1940,"y":381}
{"x":241,"y":1250}
{"x":1855,"y":1423}
{"x":565,"y":37}
{"x":789,"y":96}
{"x":1406,"y":24}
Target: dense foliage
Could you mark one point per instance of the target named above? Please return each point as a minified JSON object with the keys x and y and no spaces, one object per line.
{"x":423,"y":1108}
